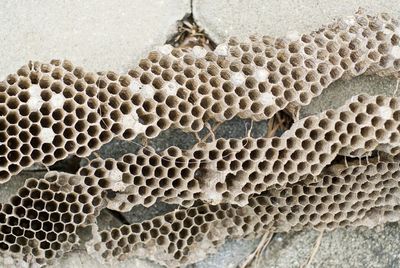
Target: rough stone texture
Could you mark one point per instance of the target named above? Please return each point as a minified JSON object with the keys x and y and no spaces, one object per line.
{"x":99,"y":35}
{"x":140,"y":213}
{"x":230,"y":255}
{"x":225,"y":18}
{"x":361,"y":247}
{"x":80,"y":259}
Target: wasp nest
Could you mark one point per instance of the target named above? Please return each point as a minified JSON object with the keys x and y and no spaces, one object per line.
{"x":357,"y":195}
{"x":230,"y":171}
{"x":50,"y":111}
{"x":329,"y":170}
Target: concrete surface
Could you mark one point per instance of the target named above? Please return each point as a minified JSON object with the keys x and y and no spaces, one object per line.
{"x":79,"y":259}
{"x":230,"y":255}
{"x":225,"y":18}
{"x":357,"y":248}
{"x":99,"y":35}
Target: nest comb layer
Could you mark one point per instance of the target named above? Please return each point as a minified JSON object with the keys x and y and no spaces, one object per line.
{"x":246,"y":187}
{"x":231,"y":171}
{"x":364,"y":195}
{"x":40,"y":222}
{"x":50,"y":111}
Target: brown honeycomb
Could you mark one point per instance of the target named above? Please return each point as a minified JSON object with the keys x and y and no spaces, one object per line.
{"x":330,"y":170}
{"x":360,"y":194}
{"x":41,"y":220}
{"x":231,"y":171}
{"x":50,"y":111}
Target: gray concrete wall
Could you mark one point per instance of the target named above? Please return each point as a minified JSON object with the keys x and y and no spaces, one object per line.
{"x":99,"y":35}
{"x":241,"y":18}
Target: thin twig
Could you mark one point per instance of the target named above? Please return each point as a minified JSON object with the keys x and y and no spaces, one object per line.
{"x":275,"y":123}
{"x":211,"y":131}
{"x":250,"y":129}
{"x":313,"y":251}
{"x":255,"y":255}
{"x":397,"y":87}
{"x":196,"y":135}
{"x":272,"y":128}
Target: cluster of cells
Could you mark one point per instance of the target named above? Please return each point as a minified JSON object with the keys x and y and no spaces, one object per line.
{"x":231,"y":171}
{"x":326,"y":171}
{"x":40,"y":222}
{"x":50,"y":111}
{"x":42,"y":219}
{"x":361,"y":194}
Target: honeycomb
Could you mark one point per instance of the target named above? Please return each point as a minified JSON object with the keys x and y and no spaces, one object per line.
{"x":334,"y":169}
{"x":231,"y":171}
{"x":40,"y":221}
{"x":52,"y":110}
{"x":364,"y":194}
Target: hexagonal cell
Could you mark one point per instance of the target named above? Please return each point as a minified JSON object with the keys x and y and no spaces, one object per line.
{"x":314,"y":203}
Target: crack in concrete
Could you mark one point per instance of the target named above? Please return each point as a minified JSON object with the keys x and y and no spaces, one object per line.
{"x":189,"y":33}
